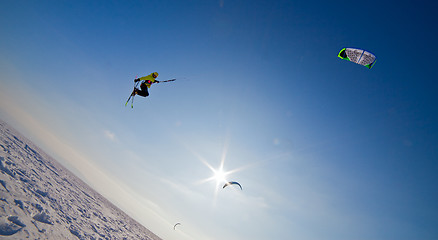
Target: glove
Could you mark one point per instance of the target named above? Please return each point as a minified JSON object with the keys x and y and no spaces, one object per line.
{"x":136,"y":80}
{"x":157,"y":81}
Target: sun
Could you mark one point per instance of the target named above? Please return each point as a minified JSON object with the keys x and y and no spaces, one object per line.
{"x":219,"y":175}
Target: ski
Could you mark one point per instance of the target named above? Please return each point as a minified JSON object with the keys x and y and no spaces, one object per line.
{"x":132,"y":102}
{"x":126,"y":104}
{"x":131,"y":97}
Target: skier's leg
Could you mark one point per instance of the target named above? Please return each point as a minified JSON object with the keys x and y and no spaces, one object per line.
{"x":144,"y":90}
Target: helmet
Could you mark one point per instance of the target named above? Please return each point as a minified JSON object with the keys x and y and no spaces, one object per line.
{"x":155,"y":74}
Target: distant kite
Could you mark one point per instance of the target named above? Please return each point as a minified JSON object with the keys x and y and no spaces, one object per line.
{"x":358,"y":56}
{"x":232,"y":183}
{"x":174,"y":227}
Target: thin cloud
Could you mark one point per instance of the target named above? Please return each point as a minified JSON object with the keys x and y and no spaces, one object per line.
{"x":110,"y":135}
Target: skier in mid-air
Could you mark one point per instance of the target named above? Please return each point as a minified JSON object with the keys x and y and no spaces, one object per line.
{"x":147,"y":82}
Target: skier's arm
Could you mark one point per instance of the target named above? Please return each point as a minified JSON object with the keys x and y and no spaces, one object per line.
{"x":150,"y":82}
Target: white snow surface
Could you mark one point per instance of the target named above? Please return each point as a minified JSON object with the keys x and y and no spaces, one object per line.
{"x":40,"y":199}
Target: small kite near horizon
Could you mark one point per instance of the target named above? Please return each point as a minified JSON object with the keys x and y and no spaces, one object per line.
{"x":174,"y":227}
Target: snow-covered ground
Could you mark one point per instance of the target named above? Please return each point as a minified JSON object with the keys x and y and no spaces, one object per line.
{"x":40,"y":199}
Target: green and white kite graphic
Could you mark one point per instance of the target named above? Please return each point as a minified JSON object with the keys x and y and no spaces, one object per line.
{"x":358,"y":56}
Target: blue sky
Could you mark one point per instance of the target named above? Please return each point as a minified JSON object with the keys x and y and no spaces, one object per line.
{"x":323,"y":148}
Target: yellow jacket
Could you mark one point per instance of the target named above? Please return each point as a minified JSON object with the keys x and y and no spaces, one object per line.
{"x":149,"y":79}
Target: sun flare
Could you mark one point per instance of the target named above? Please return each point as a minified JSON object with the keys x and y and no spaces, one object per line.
{"x":219,"y":176}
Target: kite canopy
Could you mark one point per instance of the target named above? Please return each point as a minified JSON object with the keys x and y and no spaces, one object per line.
{"x":232,"y":183}
{"x":174,"y":227}
{"x":358,"y":56}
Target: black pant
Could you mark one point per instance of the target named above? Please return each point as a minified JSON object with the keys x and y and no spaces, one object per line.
{"x":143,"y":90}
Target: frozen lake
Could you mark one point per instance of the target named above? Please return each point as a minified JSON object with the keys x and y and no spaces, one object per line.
{"x":40,"y":199}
